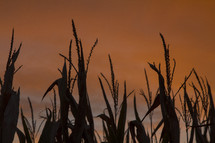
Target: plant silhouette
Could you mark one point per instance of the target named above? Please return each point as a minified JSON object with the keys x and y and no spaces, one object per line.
{"x":197,"y":111}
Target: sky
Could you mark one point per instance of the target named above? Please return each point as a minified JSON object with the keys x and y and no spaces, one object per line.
{"x":127,"y":30}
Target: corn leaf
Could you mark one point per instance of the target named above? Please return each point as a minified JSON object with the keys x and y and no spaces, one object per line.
{"x":193,"y":112}
{"x":21,"y":135}
{"x":16,"y":54}
{"x":26,"y":131}
{"x":132,"y":131}
{"x":105,"y":132}
{"x":122,"y":118}
{"x":140,"y":133}
{"x":11,"y":115}
{"x":211,"y":114}
{"x":158,"y":126}
{"x":155,"y":104}
{"x":49,"y":131}
{"x":51,"y":87}
{"x":107,"y":104}
{"x":135,"y":110}
{"x":127,"y":137}
{"x":105,"y":118}
{"x":168,"y":111}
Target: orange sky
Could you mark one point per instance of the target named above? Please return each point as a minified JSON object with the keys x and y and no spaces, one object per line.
{"x":128,"y":30}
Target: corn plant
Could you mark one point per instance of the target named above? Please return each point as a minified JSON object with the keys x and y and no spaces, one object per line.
{"x":114,"y":124}
{"x":30,"y":130}
{"x":197,"y":109}
{"x":200,"y":111}
{"x":9,"y":99}
{"x":83,"y":127}
{"x":137,"y":129}
{"x":148,"y":100}
{"x":170,"y":131}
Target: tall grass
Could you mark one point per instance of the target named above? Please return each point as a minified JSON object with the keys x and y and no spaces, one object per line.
{"x":74,"y":122}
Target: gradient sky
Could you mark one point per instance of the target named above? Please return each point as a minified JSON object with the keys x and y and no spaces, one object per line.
{"x":128,"y":30}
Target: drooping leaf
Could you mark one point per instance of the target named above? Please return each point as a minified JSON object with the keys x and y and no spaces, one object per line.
{"x":51,"y":87}
{"x":105,"y":118}
{"x":154,"y":106}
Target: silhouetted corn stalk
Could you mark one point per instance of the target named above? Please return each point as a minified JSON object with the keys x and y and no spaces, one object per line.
{"x":171,"y":131}
{"x":136,"y":128}
{"x":148,"y":100}
{"x":211,"y":115}
{"x":83,"y":128}
{"x":30,"y":131}
{"x":114,"y":132}
{"x":185,"y":115}
{"x":193,"y":112}
{"x":9,"y":99}
{"x":201,"y":111}
{"x":50,"y":128}
{"x":198,"y":112}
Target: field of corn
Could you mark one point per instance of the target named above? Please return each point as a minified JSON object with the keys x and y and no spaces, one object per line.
{"x":74,"y":121}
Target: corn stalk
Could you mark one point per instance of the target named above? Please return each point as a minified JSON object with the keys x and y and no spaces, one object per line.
{"x":9,"y":99}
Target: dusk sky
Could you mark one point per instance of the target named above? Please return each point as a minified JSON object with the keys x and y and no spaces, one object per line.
{"x":128,"y":30}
